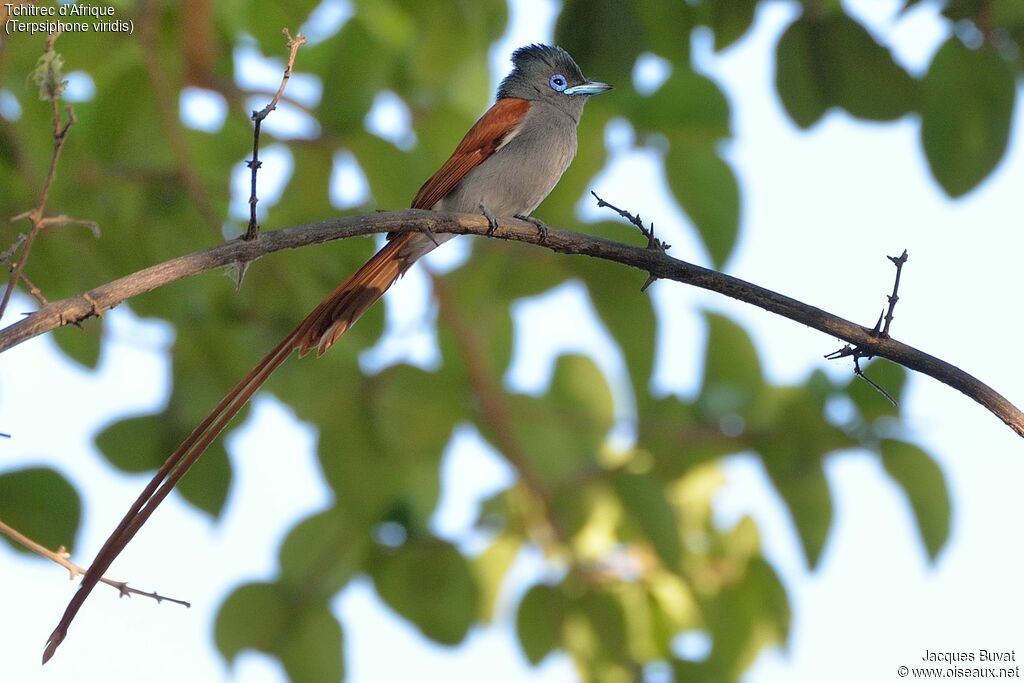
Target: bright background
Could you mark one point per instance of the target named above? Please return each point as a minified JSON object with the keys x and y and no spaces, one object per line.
{"x":822,"y":209}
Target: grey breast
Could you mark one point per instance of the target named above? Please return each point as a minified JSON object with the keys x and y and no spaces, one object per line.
{"x":516,"y":178}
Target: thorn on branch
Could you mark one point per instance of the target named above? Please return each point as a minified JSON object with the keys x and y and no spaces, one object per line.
{"x":97,"y":310}
{"x":880,"y":330}
{"x":652,"y":241}
{"x":860,"y":373}
{"x":254,"y":164}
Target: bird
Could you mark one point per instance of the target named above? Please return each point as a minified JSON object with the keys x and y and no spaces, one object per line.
{"x":507,"y":163}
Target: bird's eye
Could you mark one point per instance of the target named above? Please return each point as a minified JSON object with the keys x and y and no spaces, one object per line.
{"x":557,"y":82}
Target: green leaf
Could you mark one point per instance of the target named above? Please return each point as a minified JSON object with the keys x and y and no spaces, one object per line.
{"x":799,"y":73}
{"x":142,"y":444}
{"x":966,"y":113}
{"x":869,"y":84}
{"x":800,"y":480}
{"x":833,"y":61}
{"x":41,"y":504}
{"x":81,"y":344}
{"x":322,"y":552}
{"x":350,"y":455}
{"x":207,"y":484}
{"x":643,"y":498}
{"x":539,"y":621}
{"x":706,"y":188}
{"x":428,"y":582}
{"x":667,"y":28}
{"x":603,"y":613}
{"x":436,"y":62}
{"x":689,"y":107}
{"x":490,"y":569}
{"x":412,"y":434}
{"x":628,"y":314}
{"x":743,"y":618}
{"x":563,"y":431}
{"x":1007,"y":13}
{"x":347,"y":100}
{"x":270,"y":618}
{"x":579,"y":385}
{"x":264,"y":21}
{"x":603,"y":36}
{"x":791,"y":434}
{"x":415,"y":429}
{"x":313,"y":649}
{"x":681,"y":436}
{"x":732,"y":370}
{"x":922,"y":480}
{"x":254,"y":617}
{"x":730,"y":19}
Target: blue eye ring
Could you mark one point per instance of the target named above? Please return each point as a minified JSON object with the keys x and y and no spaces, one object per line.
{"x":558,"y":82}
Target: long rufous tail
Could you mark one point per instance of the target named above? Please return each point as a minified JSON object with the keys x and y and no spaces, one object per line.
{"x":319,"y":330}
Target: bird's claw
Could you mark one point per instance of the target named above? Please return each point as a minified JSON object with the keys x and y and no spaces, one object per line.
{"x":492,"y":222}
{"x":542,"y":229}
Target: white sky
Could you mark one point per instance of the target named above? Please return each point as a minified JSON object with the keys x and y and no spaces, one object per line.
{"x":821,"y":211}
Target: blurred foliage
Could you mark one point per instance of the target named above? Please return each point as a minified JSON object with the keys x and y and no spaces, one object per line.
{"x":637,"y":555}
{"x":41,"y":504}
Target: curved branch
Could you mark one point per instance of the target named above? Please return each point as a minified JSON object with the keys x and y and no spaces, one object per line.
{"x":652,"y":261}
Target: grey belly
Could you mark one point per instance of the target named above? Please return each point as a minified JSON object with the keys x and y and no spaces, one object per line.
{"x":516,"y":178}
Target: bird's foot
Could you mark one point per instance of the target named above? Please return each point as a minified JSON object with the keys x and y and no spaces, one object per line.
{"x":492,"y":222}
{"x":542,"y":229}
{"x":430,"y":233}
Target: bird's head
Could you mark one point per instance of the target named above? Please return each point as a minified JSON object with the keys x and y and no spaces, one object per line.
{"x":547,"y":73}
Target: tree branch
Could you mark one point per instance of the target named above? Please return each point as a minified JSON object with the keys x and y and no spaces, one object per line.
{"x":61,"y":557}
{"x":254,"y":164}
{"x":658,"y":264}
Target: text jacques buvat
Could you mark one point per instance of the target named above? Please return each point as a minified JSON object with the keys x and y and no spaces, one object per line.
{"x":970,"y":656}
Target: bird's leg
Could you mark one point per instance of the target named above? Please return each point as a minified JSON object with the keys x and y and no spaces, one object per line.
{"x":492,"y":222}
{"x":542,"y":229}
{"x":430,"y":233}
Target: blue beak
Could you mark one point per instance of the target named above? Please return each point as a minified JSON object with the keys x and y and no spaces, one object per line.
{"x":588,"y":88}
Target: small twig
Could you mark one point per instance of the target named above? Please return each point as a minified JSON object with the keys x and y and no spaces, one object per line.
{"x":62,"y":220}
{"x":286,"y":99}
{"x":257,"y":117}
{"x":860,"y":373}
{"x":62,"y":557}
{"x":897,"y":261}
{"x":6,"y":256}
{"x":48,"y":75}
{"x":33,"y":291}
{"x":880,"y":331}
{"x":652,"y":241}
